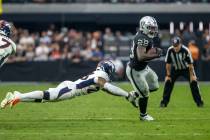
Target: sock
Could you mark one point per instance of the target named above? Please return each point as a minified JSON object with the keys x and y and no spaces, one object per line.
{"x":143,"y":106}
{"x":30,"y":96}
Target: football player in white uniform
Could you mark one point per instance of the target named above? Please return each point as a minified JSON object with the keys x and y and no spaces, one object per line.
{"x":99,"y":79}
{"x":7,"y":46}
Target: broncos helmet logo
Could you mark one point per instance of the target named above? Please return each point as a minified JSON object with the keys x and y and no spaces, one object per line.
{"x":106,"y":66}
{"x":5,"y":28}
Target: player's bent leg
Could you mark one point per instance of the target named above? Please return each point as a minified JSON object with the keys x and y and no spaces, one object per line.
{"x":154,"y":86}
{"x":136,"y":83}
{"x":139,"y":83}
{"x":196,"y":93}
{"x":152,"y":80}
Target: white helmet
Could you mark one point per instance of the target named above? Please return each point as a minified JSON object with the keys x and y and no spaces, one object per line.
{"x":148,"y":25}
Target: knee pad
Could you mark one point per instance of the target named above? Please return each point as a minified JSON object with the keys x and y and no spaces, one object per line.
{"x":154,"y":88}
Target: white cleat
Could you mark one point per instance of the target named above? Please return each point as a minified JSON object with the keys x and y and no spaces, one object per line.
{"x":146,"y":118}
{"x":9,"y":100}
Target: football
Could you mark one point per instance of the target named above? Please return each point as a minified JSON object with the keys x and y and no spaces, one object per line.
{"x":152,"y":51}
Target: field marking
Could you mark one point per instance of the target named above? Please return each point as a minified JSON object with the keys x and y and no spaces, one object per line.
{"x":110,"y":134}
{"x":100,"y":119}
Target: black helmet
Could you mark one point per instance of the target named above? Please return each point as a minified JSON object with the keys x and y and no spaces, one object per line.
{"x":176,"y":41}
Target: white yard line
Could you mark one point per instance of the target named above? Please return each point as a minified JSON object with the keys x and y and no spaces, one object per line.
{"x":104,"y":119}
{"x":109,"y":134}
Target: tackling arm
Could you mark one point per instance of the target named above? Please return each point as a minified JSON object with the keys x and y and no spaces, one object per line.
{"x":106,"y":86}
{"x":112,"y":89}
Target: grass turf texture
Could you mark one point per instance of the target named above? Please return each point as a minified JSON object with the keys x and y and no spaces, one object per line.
{"x":102,"y":116}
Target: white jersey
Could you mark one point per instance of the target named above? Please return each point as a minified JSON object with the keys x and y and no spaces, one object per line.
{"x":7,"y":47}
{"x":91,"y":78}
{"x":83,"y":86}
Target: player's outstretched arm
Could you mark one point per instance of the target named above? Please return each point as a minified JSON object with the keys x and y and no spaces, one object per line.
{"x":110,"y":88}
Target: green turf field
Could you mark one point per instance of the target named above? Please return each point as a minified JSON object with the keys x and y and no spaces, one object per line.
{"x":102,"y":116}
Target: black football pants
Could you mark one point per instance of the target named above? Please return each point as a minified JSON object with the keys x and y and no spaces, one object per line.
{"x":170,"y":84}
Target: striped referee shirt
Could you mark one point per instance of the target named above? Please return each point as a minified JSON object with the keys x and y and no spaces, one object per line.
{"x":179,"y":60}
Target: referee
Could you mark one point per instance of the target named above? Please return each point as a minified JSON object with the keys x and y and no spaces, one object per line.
{"x":179,"y":62}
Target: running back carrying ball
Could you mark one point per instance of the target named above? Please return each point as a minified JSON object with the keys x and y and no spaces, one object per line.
{"x":153,"y":51}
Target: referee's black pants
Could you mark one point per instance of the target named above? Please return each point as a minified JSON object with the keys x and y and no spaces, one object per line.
{"x":169,"y":84}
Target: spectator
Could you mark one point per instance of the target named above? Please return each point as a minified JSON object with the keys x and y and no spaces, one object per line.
{"x":29,"y":54}
{"x":187,"y":35}
{"x":55,"y":53}
{"x":42,"y":52}
{"x":26,"y":40}
{"x":110,"y":45}
{"x":207,"y":51}
{"x":194,"y":50}
{"x":96,"y":55}
{"x":45,"y":37}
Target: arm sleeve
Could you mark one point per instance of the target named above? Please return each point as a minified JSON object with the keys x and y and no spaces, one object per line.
{"x":189,"y":58}
{"x":86,"y":83}
{"x":114,"y":90}
{"x":168,"y":57}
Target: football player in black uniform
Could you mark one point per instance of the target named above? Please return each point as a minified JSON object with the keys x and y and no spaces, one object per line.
{"x":143,"y":79}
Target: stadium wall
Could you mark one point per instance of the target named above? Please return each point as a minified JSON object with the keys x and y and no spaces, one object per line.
{"x":66,"y":70}
{"x":105,"y":13}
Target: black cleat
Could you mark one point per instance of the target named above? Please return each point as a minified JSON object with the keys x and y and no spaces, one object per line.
{"x":200,"y":104}
{"x":163,"y":105}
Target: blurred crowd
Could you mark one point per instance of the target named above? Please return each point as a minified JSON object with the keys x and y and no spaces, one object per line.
{"x":106,"y":1}
{"x":198,"y":42}
{"x":71,"y":44}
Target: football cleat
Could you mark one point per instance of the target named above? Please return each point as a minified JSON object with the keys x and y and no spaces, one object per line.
{"x":133,"y":99}
{"x":163,"y":105}
{"x":146,"y":117}
{"x":9,"y":100}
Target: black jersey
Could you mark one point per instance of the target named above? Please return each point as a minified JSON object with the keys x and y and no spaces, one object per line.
{"x":140,"y":40}
{"x":179,"y":60}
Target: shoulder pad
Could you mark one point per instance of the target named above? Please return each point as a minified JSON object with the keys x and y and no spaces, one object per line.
{"x":142,"y":40}
{"x":102,"y":74}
